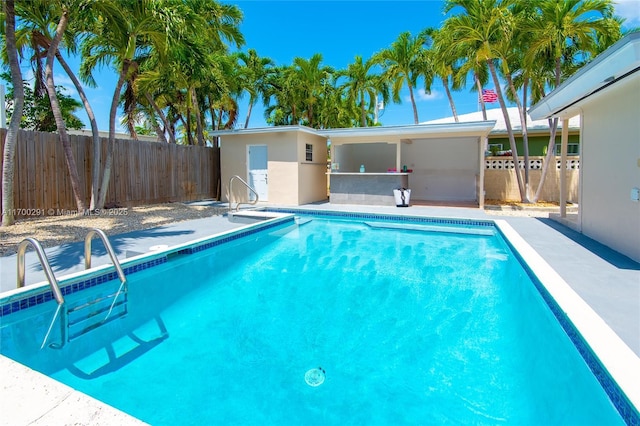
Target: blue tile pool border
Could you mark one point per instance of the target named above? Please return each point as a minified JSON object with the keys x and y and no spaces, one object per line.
{"x":625,"y":408}
{"x":387,"y":217}
{"x":627,"y":411}
{"x":44,"y":295}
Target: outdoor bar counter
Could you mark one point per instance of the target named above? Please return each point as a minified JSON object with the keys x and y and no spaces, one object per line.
{"x":366,"y":188}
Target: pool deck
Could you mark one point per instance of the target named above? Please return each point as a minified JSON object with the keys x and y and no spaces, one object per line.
{"x":607,"y":280}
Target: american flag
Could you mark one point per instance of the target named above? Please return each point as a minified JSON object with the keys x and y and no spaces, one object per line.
{"x":489,"y":96}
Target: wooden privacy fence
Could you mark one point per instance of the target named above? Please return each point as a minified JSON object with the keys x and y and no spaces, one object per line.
{"x":142,"y":173}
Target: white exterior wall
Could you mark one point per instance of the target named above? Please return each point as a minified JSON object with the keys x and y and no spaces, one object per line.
{"x":233,"y":161}
{"x":312,"y":185}
{"x":377,"y":157}
{"x":282,"y":167}
{"x":290,"y":179}
{"x":443,"y":169}
{"x":610,"y":167}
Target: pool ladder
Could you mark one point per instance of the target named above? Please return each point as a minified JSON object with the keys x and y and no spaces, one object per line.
{"x":249,"y":187}
{"x":82,"y":316}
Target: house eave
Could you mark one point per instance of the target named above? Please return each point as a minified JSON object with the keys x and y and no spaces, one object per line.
{"x":620,"y":61}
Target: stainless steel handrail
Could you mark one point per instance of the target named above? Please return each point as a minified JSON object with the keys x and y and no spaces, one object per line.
{"x":107,"y":245}
{"x":114,"y":260}
{"x":53,"y":283}
{"x":231,"y":193}
{"x":44,"y":261}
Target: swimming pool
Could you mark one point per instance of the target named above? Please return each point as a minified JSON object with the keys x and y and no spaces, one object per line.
{"x":410,"y":325}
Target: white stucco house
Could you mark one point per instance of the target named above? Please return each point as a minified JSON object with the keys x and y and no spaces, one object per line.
{"x":606,"y":96}
{"x":287,"y":165}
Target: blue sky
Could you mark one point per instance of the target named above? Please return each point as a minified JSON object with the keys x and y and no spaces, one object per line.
{"x":339,"y":30}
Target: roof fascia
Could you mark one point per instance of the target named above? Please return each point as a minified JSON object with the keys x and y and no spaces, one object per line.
{"x":617,"y":62}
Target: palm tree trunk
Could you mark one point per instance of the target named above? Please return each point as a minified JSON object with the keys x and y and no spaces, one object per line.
{"x":196,"y":110}
{"x":159,"y":132}
{"x":310,"y":115}
{"x":95,"y":133}
{"x":363,"y":113}
{"x":165,"y":122}
{"x":187,"y":125}
{"x":551,"y":147}
{"x":10,"y":142}
{"x":57,"y":113}
{"x":413,"y":104}
{"x":512,"y":140}
{"x":445,"y":82}
{"x":548,"y":159}
{"x":249,"y":109}
{"x":106,"y":176}
{"x":525,"y":135}
{"x":479,"y":87}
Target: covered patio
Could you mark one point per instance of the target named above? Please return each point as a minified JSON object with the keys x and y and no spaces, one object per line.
{"x":439,"y":163}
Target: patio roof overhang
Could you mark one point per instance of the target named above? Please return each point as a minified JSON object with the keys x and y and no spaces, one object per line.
{"x":395,"y":134}
{"x":619,"y":62}
{"x":390,"y":134}
{"x":261,"y":130}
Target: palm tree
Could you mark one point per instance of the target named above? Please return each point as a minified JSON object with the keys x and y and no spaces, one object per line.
{"x":137,"y":25}
{"x":360,"y":85}
{"x":156,"y":86}
{"x":283,"y":98}
{"x":479,"y":32}
{"x":255,"y":76}
{"x":403,"y":63}
{"x":443,"y":64}
{"x":57,"y":112}
{"x":37,"y":17}
{"x":582,"y":27}
{"x":311,"y":77}
{"x":8,"y":156}
{"x":221,"y":95}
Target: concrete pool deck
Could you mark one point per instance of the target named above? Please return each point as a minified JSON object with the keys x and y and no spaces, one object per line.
{"x":608,"y":281}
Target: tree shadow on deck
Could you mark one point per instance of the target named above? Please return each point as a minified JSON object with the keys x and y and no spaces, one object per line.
{"x":69,"y":255}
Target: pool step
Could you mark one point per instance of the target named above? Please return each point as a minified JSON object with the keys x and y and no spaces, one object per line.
{"x":90,"y":315}
{"x":431,"y":228}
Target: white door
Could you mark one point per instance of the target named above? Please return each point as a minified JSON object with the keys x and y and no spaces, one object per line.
{"x":258,"y":171}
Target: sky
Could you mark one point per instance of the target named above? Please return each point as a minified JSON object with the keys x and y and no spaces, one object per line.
{"x":339,"y":30}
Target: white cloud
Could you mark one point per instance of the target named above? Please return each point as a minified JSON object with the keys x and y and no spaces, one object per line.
{"x":629,"y":10}
{"x":64,"y":81}
{"x":421,"y":95}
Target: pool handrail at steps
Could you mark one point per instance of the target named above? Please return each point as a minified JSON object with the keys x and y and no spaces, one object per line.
{"x":44,"y":262}
{"x":107,"y":246}
{"x":53,"y":283}
{"x":65,"y":322}
{"x":254,"y":202}
{"x":123,"y":280}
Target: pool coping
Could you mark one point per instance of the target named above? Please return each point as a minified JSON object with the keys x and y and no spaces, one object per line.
{"x":605,"y":352}
{"x":132,"y":264}
{"x":36,"y":398}
{"x":619,"y":362}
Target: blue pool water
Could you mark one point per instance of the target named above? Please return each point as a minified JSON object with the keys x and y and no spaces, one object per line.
{"x":408,"y":327}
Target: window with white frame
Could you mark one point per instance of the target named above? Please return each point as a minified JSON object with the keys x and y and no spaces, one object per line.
{"x":308,"y":152}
